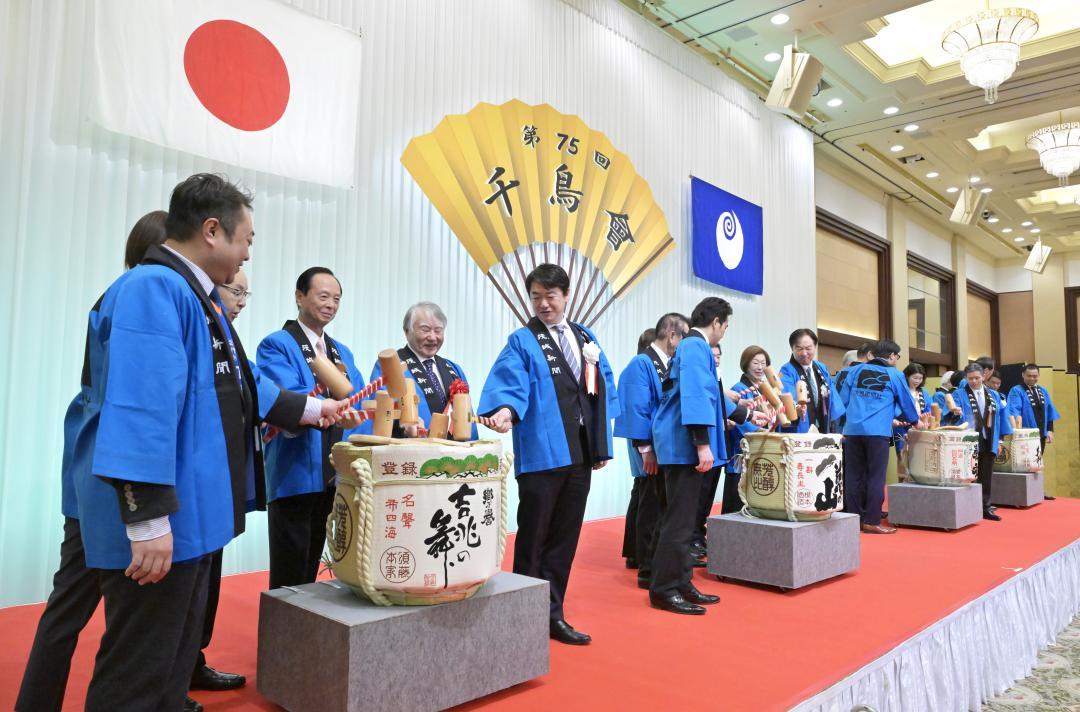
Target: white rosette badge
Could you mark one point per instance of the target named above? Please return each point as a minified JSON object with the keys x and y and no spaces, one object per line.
{"x":591,"y":353}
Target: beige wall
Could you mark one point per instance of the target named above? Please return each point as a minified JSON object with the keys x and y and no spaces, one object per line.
{"x":1017,"y":329}
{"x":980,"y":335}
{"x":1048,"y":304}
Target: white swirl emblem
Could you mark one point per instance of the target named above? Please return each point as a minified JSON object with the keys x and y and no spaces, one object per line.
{"x":729,"y":239}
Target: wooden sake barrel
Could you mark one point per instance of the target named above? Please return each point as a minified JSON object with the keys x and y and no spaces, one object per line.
{"x":417,"y":522}
{"x":1019,"y":452}
{"x":792,"y":476}
{"x":944,"y":457}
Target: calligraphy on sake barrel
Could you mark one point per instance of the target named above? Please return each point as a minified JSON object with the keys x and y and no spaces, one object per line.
{"x":1020,"y":451}
{"x":792,"y":476}
{"x":418,"y":523}
{"x":520,"y":185}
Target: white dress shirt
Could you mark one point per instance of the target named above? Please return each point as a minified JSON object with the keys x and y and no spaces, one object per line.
{"x":664,"y":358}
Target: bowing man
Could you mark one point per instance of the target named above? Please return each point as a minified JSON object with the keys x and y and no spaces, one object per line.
{"x":425,"y":329}
{"x":873,"y":393}
{"x":688,"y":433}
{"x":300,"y":478}
{"x":986,"y":413}
{"x":1032,"y":403}
{"x":167,"y":469}
{"x":821,"y":408}
{"x":639,"y":395}
{"x":553,"y":385}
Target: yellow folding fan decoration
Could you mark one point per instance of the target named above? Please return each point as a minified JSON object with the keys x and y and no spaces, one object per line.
{"x":520,"y":185}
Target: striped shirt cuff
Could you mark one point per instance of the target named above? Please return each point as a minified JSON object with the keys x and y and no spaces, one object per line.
{"x":312,"y":411}
{"x":149,"y":529}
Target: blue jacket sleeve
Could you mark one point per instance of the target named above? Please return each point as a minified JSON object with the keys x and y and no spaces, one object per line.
{"x":274,"y":361}
{"x":507,"y":384}
{"x":697,"y":380}
{"x":1016,"y":401}
{"x":1052,"y":413}
{"x":1003,"y":424}
{"x":908,"y":409}
{"x":635,"y":402}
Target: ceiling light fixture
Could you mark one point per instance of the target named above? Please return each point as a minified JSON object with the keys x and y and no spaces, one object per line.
{"x":1026,"y":223}
{"x":951,"y":189}
{"x":1007,"y":230}
{"x":772,"y":57}
{"x":897,"y":148}
{"x":911,"y":127}
{"x":1059,"y":149}
{"x":992,"y":219}
{"x":835,"y":102}
{"x":1034,"y":231}
{"x":1018,"y":239}
{"x":988,"y":45}
{"x":779,"y":18}
{"x":890,"y":110}
{"x":932,"y":174}
{"x":974,"y":179}
{"x":987,"y":189}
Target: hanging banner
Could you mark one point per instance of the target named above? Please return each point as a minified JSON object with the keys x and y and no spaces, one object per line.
{"x":728,"y":238}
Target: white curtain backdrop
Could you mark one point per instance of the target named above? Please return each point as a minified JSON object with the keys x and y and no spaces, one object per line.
{"x":70,"y":191}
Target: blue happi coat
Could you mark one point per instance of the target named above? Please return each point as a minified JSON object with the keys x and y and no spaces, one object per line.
{"x":873,"y":394}
{"x":691,"y":398}
{"x":1021,"y":402}
{"x":789,"y":376}
{"x":523,"y":379}
{"x":639,"y":395}
{"x":167,"y":400}
{"x":999,"y":426}
{"x":295,"y":465}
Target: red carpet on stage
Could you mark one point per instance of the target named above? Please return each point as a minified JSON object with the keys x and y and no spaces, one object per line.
{"x":759,"y":649}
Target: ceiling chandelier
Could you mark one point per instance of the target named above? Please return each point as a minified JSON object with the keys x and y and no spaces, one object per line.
{"x":988,"y":45}
{"x":1059,"y":149}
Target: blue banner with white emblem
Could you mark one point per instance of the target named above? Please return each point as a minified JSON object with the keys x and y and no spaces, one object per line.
{"x":728,"y":238}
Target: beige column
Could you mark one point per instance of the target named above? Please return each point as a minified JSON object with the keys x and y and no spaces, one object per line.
{"x":896,"y":229}
{"x":1048,"y":301}
{"x":959,"y":260}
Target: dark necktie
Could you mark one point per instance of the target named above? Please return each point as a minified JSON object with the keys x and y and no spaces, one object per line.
{"x":429,"y":366}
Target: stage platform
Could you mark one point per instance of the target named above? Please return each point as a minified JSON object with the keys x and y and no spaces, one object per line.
{"x":956,"y":615}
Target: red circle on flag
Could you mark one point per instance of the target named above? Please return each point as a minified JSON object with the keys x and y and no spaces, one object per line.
{"x":237,"y":74}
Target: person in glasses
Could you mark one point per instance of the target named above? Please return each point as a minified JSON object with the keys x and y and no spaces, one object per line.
{"x":234,"y":295}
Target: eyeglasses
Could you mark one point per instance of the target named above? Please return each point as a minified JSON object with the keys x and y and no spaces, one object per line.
{"x":236,"y":291}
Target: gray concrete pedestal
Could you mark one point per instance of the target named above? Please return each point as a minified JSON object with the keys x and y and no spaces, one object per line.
{"x":1018,"y":489}
{"x":915,"y":505}
{"x":321,"y":648}
{"x":780,"y":553}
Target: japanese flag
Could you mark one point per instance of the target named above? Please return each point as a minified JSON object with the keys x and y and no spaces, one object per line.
{"x":253,"y":83}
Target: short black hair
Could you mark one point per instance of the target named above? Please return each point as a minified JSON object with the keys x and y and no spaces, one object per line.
{"x":708,"y":309}
{"x":668,"y":323}
{"x":885,"y":348}
{"x":201,"y":197}
{"x":147,"y":232}
{"x":913,"y":368}
{"x":956,"y":378}
{"x":973,"y":367}
{"x":645,"y":340}
{"x":986,"y":363}
{"x":303,"y":282}
{"x":864,"y":348}
{"x":549,"y":276}
{"x":995,"y":374}
{"x":798,"y":334}
{"x":1031,"y":367}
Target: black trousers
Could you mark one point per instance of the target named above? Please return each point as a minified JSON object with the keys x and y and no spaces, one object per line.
{"x":73,"y":600}
{"x":679,"y":493}
{"x":151,"y":637}
{"x":213,"y":595}
{"x":297,"y":530}
{"x":731,"y":501}
{"x":551,"y":507}
{"x":866,"y":462}
{"x":629,"y":539}
{"x":648,"y":520}
{"x":709,"y":482}
{"x":984,"y":473}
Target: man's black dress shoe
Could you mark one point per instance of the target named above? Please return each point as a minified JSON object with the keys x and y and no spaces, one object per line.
{"x":697,"y":563}
{"x":1049,"y":496}
{"x":631,"y":562}
{"x":191,"y":705}
{"x":207,"y":678}
{"x":676,"y":604}
{"x":698,"y":551}
{"x":692,"y":595}
{"x":991,"y":516}
{"x":643,"y":582}
{"x":565,"y":633}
